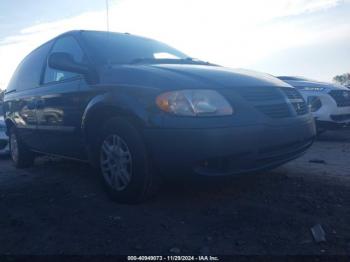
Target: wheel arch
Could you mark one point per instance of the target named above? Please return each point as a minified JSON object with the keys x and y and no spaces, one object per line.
{"x":9,"y":124}
{"x":104,"y":107}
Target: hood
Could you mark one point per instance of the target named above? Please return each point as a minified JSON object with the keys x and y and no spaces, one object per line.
{"x":182,"y":76}
{"x":310,"y":83}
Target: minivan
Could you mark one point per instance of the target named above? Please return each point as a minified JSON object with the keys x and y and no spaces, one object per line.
{"x":138,"y":109}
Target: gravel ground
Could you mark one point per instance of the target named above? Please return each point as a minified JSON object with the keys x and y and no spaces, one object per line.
{"x":59,"y":207}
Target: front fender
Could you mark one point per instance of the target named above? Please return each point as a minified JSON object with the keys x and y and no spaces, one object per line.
{"x":136,"y":106}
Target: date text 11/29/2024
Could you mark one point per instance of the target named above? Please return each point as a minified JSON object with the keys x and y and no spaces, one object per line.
{"x":173,"y":258}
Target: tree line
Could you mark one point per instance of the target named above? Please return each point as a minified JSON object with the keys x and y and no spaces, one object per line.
{"x":343,"y":79}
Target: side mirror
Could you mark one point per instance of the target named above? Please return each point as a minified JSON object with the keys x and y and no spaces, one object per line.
{"x":65,"y":62}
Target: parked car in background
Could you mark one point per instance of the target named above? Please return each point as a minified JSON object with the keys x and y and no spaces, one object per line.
{"x":4,"y":140}
{"x":329,"y":103}
{"x":138,"y":109}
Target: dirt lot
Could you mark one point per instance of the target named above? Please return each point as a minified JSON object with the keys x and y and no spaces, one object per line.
{"x":59,"y":207}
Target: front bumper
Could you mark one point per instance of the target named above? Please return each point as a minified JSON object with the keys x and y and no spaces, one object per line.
{"x":329,"y":111}
{"x":230,"y":150}
{"x":331,"y":125}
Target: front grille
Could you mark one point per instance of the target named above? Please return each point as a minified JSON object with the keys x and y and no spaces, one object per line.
{"x":275,"y":110}
{"x":265,"y":157}
{"x":260,"y":94}
{"x":267,"y":100}
{"x":339,"y":118}
{"x":341,"y":97}
{"x":284,"y":152}
{"x":296,"y":99}
{"x":272,"y":102}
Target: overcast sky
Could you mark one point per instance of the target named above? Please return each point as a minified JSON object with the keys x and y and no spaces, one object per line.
{"x":282,"y":37}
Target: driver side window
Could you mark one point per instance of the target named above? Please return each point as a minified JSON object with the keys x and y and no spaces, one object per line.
{"x":68,"y":45}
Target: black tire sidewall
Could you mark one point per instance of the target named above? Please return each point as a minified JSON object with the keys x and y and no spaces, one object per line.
{"x":141,"y":175}
{"x":25,"y":157}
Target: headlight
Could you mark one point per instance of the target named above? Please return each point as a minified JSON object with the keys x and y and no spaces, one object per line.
{"x":307,"y":88}
{"x":192,"y":102}
{"x":314,"y":103}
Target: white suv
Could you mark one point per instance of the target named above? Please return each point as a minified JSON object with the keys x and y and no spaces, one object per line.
{"x":329,"y":103}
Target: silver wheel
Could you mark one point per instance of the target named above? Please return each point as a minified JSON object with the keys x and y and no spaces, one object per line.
{"x":116,"y":162}
{"x":14,"y":147}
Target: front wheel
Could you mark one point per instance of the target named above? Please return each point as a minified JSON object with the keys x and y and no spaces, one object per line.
{"x":21,"y":156}
{"x":124,"y":163}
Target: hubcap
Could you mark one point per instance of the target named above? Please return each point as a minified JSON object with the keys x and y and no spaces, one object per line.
{"x":14,"y":147}
{"x":116,"y":162}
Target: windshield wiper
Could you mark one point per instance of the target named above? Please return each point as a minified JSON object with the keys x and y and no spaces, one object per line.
{"x":187,"y":60}
{"x":142,"y":60}
{"x":198,"y":61}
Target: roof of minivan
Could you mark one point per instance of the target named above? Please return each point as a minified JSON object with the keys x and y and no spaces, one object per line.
{"x":76,"y":32}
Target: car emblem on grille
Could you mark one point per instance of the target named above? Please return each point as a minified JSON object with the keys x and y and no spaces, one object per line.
{"x":346,"y":95}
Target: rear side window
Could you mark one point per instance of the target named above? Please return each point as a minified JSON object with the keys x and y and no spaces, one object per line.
{"x":66,"y":44}
{"x":29,"y":71}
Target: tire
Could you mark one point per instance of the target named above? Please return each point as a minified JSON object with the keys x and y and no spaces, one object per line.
{"x":124,"y":164}
{"x":21,"y":156}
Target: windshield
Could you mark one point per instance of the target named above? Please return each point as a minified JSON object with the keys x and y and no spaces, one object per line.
{"x":116,"y":48}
